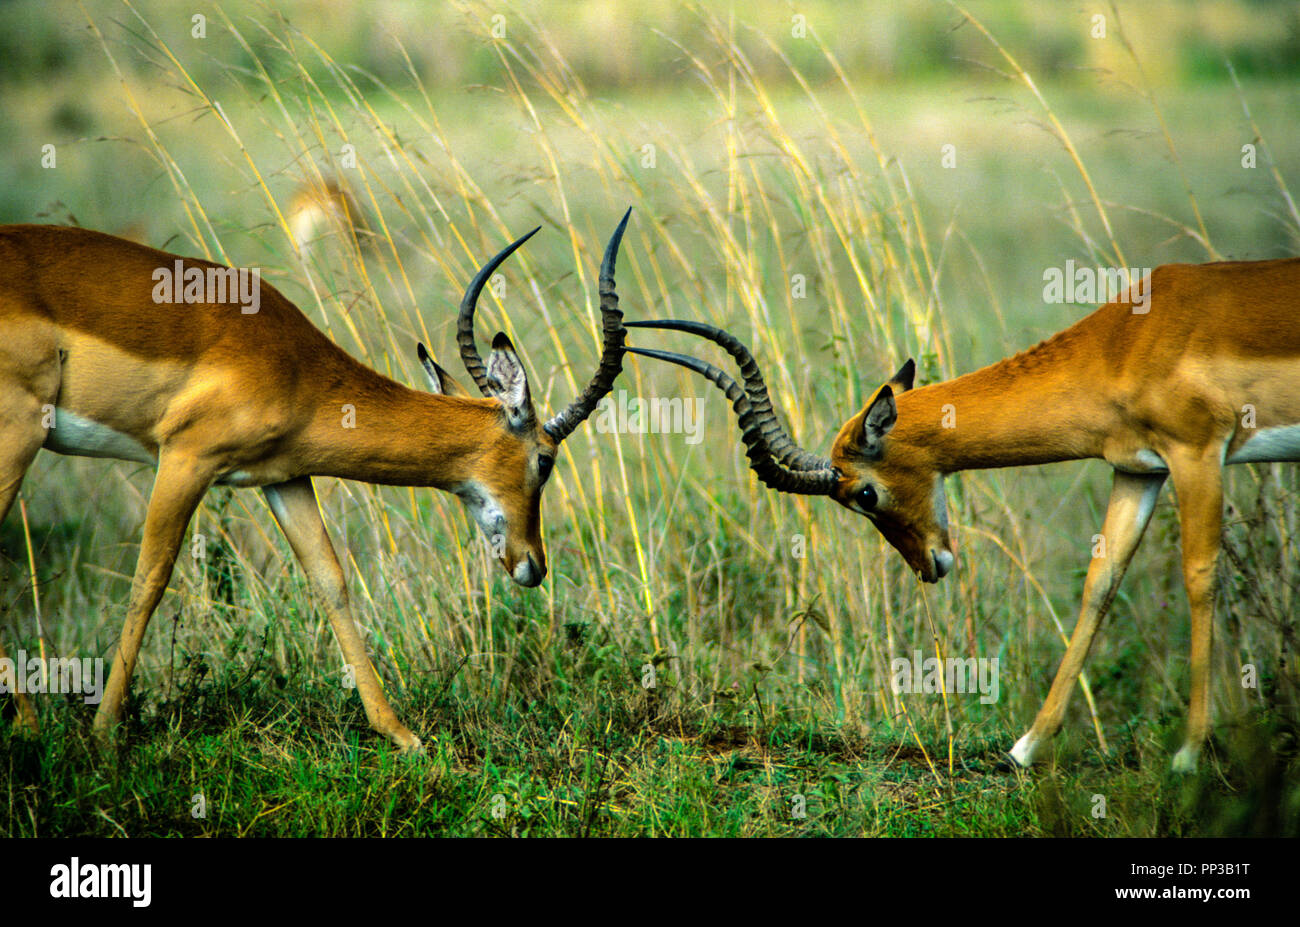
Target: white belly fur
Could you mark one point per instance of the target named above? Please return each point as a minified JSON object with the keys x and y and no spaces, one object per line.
{"x":1269,"y":445}
{"x":78,"y":436}
{"x":83,"y":437}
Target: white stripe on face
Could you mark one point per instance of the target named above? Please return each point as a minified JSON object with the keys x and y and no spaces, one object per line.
{"x":940,"y":503}
{"x":482,"y":507}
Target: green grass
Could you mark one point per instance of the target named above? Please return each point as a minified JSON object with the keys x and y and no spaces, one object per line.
{"x":772,"y":669}
{"x":266,"y":755}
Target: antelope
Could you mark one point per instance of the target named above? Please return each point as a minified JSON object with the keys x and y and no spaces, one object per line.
{"x":320,"y":206}
{"x":1201,"y":372}
{"x":210,"y":394}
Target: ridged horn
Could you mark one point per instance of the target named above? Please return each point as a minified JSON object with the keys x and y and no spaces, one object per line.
{"x":779,"y":442}
{"x":561,"y":425}
{"x":773,"y":473}
{"x":465,"y":323}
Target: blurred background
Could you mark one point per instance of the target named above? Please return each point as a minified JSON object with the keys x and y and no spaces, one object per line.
{"x":842,"y":185}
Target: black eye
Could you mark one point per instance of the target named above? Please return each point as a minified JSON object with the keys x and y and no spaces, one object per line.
{"x":544,"y":465}
{"x":867,"y":498}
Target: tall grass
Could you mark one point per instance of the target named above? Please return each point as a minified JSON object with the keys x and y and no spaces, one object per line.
{"x":803,"y":235}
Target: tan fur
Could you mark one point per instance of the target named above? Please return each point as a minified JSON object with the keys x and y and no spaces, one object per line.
{"x":256,"y":399}
{"x":319,"y":207}
{"x":1121,"y":386}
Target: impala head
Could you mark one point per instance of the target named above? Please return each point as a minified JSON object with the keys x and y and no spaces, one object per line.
{"x":893,"y":485}
{"x":516,"y":457}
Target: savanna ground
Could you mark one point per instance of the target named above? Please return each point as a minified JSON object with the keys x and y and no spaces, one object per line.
{"x":792,"y":184}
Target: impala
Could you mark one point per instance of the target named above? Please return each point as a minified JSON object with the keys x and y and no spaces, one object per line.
{"x":209,"y":393}
{"x":319,"y":207}
{"x":1204,"y":372}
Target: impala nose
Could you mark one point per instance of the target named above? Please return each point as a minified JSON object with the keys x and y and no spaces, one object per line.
{"x":527,"y":572}
{"x":942,"y":563}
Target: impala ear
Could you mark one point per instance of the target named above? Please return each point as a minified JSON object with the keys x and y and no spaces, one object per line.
{"x":902,"y":381}
{"x":877,"y":418}
{"x":508,"y":383}
{"x":440,"y":381}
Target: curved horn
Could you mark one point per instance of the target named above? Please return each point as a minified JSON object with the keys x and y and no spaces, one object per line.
{"x":561,"y":425}
{"x":779,"y":442}
{"x":810,"y":482}
{"x":465,"y":324}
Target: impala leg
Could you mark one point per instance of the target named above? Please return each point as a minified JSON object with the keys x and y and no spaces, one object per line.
{"x":1132,"y":500}
{"x":21,"y":437}
{"x":26,"y":721}
{"x":177,"y":489}
{"x":1199,"y":485}
{"x":295,"y":508}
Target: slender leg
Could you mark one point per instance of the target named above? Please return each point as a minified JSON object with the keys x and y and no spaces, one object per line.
{"x":1199,"y":485}
{"x":294,"y":505}
{"x":21,"y":437}
{"x":26,"y":721}
{"x":1132,"y":499}
{"x":177,"y":489}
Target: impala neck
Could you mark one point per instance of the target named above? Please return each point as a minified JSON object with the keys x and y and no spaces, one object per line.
{"x":378,"y":431}
{"x":1044,"y":405}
